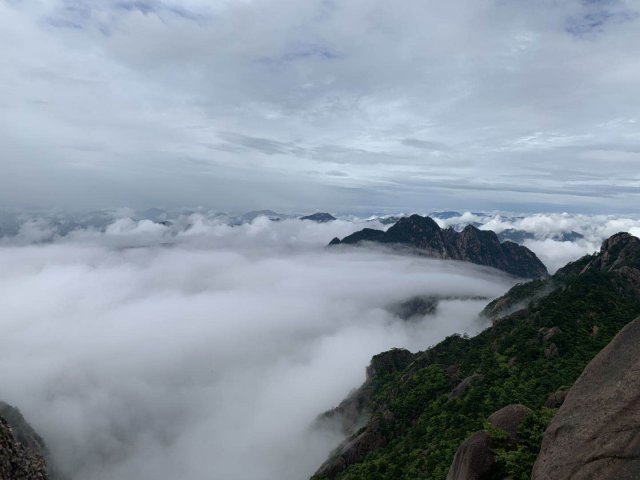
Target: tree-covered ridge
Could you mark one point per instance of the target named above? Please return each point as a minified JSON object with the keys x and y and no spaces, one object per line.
{"x":421,"y":413}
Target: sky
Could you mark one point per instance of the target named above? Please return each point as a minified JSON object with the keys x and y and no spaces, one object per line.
{"x":340,"y":106}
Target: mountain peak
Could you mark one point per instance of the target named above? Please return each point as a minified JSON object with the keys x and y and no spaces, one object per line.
{"x":618,"y":251}
{"x":481,"y":247}
{"x":617,"y":241}
{"x":319,"y":217}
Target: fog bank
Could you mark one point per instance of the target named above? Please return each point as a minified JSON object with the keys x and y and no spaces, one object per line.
{"x":209,"y":355}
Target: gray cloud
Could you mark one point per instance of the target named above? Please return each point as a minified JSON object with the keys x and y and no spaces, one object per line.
{"x":120,"y":99}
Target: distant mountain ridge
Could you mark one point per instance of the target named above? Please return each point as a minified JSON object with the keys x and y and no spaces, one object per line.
{"x":481,"y":247}
{"x":319,"y":217}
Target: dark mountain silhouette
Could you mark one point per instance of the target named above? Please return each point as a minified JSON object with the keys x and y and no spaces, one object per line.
{"x":320,"y":217}
{"x":423,"y":235}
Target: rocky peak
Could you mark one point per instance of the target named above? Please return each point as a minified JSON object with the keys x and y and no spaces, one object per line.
{"x":425,"y":237}
{"x":619,"y":256}
{"x":620,"y":250}
{"x":394,"y":360}
{"x":420,"y":232}
{"x":320,"y":217}
{"x":415,"y":224}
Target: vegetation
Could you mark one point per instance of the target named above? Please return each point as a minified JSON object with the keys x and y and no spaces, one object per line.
{"x":423,"y":424}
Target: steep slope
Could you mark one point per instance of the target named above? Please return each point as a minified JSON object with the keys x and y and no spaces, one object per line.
{"x":596,"y":432}
{"x":21,"y":449}
{"x":419,"y":415}
{"x":423,"y":235}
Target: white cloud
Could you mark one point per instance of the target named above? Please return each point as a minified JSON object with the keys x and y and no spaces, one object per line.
{"x":210,"y":356}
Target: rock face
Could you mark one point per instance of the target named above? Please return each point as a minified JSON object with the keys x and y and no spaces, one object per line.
{"x":352,"y":413}
{"x":394,"y":360}
{"x":596,"y":432}
{"x":348,"y":416}
{"x":509,"y":418}
{"x":470,"y":245}
{"x":473,"y":459}
{"x":350,"y":452}
{"x":464,"y":385}
{"x":22,"y":431}
{"x":321,"y":217}
{"x":619,"y":254}
{"x":17,"y":461}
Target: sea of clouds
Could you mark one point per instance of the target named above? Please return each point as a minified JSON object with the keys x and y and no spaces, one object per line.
{"x":197,"y":347}
{"x":546,"y":231}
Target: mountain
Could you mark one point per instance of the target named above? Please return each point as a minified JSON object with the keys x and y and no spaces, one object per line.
{"x":481,"y":247}
{"x":320,"y":217}
{"x":478,"y":407}
{"x":22,"y":451}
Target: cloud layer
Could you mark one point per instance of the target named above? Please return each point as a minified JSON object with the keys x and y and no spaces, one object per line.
{"x":211,"y":355}
{"x":320,"y":104}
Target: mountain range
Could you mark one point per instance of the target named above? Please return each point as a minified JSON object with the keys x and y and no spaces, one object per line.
{"x":424,"y":236}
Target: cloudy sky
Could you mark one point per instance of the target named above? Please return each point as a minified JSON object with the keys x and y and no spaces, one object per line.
{"x":344,"y":105}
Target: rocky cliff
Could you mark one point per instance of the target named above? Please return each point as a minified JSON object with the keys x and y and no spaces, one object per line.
{"x":481,"y":247}
{"x":596,"y":432}
{"x":21,"y":448}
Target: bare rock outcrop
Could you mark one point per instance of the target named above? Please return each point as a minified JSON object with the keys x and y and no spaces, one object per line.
{"x":596,"y":432}
{"x":18,"y":462}
{"x":22,"y":431}
{"x":464,"y":385}
{"x":473,"y":459}
{"x":556,"y":399}
{"x":394,"y":360}
{"x":350,"y":452}
{"x":548,"y":333}
{"x":509,"y":418}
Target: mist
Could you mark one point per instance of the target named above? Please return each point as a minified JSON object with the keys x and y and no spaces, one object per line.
{"x":150,"y":351}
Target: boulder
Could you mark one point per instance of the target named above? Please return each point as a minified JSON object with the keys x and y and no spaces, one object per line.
{"x":549,"y":333}
{"x":596,"y":432}
{"x":551,"y":351}
{"x":473,"y":459}
{"x":556,"y":399}
{"x":462,"y":387}
{"x":509,"y":418}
